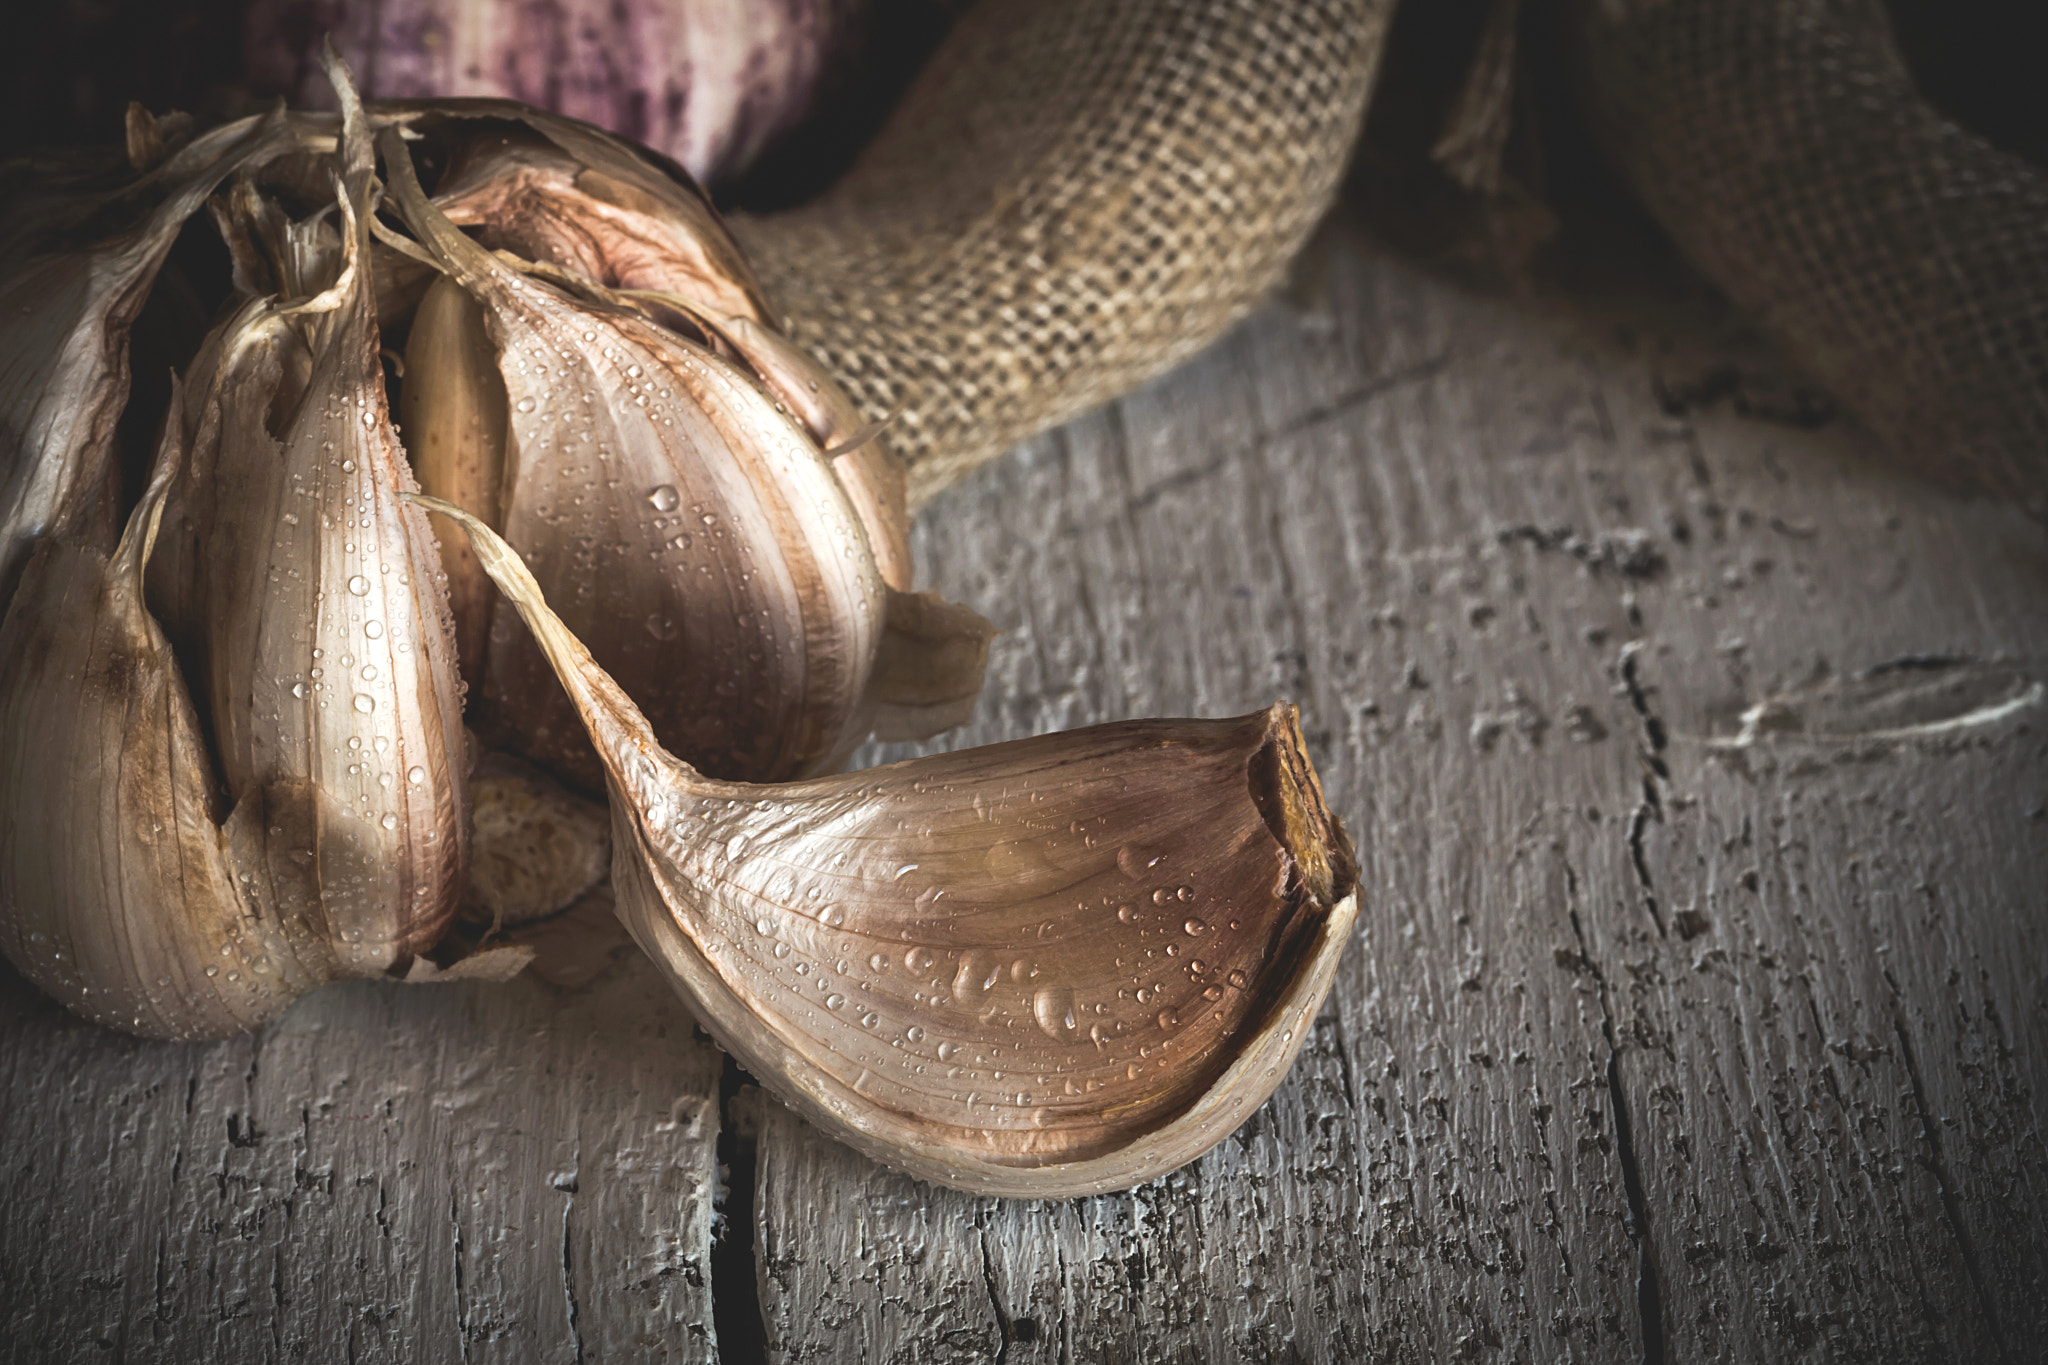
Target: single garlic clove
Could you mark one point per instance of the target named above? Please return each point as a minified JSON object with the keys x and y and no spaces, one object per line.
{"x":1042,"y":969}
{"x":860,"y":453}
{"x":455,"y":416}
{"x":691,"y":531}
{"x":648,"y":235}
{"x":309,"y":597}
{"x":65,"y":314}
{"x":123,"y":893}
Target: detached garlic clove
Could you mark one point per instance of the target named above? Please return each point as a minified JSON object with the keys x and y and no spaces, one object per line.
{"x":309,"y":597}
{"x":65,"y":313}
{"x":689,"y":529}
{"x":1041,"y":969}
{"x":123,"y":893}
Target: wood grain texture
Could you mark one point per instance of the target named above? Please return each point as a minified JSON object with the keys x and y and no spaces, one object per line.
{"x":1663,"y":1038}
{"x":387,"y":1173}
{"x":1695,"y":760}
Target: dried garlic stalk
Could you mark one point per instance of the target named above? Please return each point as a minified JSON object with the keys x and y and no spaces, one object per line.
{"x":1047,"y":968}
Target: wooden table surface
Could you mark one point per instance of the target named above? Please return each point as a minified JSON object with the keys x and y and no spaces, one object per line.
{"x":1698,"y":1008}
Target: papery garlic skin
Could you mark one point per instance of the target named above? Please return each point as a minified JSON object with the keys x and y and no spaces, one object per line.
{"x":65,"y":313}
{"x":689,"y":530}
{"x":123,"y":891}
{"x":627,"y":229}
{"x":310,"y":597}
{"x":1047,"y":968}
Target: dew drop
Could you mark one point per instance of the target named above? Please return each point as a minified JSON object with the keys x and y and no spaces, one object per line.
{"x":831,"y":917}
{"x":1054,"y":1007}
{"x":1196,"y":928}
{"x":374,"y":629}
{"x":834,"y":1000}
{"x":1239,"y":980}
{"x":359,"y":585}
{"x":389,"y":821}
{"x":416,"y":775}
{"x":879,"y":962}
{"x":662,"y":626}
{"x":524,"y":405}
{"x":369,"y":672}
{"x":948,"y":1051}
{"x":364,"y":704}
{"x":299,"y":690}
{"x":1169,"y":1019}
{"x":917,"y":960}
{"x":665,"y":498}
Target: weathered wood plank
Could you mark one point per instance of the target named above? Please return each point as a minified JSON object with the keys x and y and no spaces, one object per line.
{"x":387,"y":1173}
{"x":1604,"y":1078}
{"x":1697,"y":1010}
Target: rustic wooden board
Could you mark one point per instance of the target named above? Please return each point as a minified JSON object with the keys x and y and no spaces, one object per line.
{"x":388,"y":1173}
{"x":1696,"y":765}
{"x":1663,"y":1039}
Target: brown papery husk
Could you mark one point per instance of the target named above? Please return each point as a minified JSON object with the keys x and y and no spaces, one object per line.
{"x":691,"y":532}
{"x":126,"y":892}
{"x":564,"y":191}
{"x":1048,"y":968}
{"x":309,"y":598}
{"x":65,"y":314}
{"x":527,"y":196}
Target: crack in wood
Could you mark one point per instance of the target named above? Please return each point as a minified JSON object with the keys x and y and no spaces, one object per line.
{"x":739,"y":1325}
{"x":1951,"y":1207}
{"x":1649,"y":1280}
{"x":1006,"y":1331}
{"x":461,"y":1313}
{"x":568,"y":1256}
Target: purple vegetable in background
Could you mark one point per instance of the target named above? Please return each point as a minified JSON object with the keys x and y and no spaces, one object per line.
{"x":710,"y":82}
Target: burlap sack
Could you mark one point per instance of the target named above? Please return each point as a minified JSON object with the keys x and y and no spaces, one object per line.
{"x":1074,"y":196}
{"x":1900,"y":259}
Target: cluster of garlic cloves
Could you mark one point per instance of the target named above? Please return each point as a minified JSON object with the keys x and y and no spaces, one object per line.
{"x":622,"y":529}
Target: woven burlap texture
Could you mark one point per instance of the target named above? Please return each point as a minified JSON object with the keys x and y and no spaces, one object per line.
{"x":1075,"y":195}
{"x":1900,"y":259}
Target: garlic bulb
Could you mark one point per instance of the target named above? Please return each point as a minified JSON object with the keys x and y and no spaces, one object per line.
{"x":1042,"y":969}
{"x":711,"y":82}
{"x":232,"y":756}
{"x":695,"y":533}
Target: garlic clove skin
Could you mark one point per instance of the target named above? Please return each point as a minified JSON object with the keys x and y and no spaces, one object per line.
{"x":874,"y":478}
{"x":455,"y":417}
{"x":1041,"y":969}
{"x":65,"y":314}
{"x":123,"y":893}
{"x":693,"y":534}
{"x":552,"y":189}
{"x":652,"y":236}
{"x":310,"y":598}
